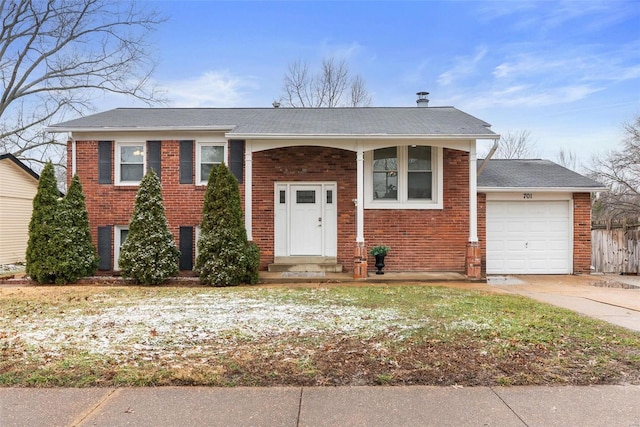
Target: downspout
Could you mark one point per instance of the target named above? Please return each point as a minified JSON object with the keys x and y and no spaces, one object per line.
{"x":496,"y":143}
{"x":74,"y":168}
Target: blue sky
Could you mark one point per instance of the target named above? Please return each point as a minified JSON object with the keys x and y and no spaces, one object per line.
{"x":567,"y":71}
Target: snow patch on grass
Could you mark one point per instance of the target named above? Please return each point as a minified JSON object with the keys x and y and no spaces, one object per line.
{"x":190,"y":325}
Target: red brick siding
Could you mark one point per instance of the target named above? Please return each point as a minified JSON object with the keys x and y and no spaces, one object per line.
{"x":581,"y":233}
{"x":293,"y":164}
{"x":109,"y":204}
{"x":427,"y":240}
{"x":482,"y":229}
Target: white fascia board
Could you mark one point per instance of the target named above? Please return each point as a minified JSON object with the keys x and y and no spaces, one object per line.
{"x":56,"y":129}
{"x":541,"y":189}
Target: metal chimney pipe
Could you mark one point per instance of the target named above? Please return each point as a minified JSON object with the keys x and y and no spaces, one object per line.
{"x":423,"y":99}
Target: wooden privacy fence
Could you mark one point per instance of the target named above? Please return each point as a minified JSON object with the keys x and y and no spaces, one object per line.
{"x":615,"y":247}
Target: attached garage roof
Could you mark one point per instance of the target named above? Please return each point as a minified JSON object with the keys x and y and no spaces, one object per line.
{"x":539,"y":175}
{"x":310,"y":122}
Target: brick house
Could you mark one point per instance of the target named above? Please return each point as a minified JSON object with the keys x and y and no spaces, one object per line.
{"x":321,"y":186}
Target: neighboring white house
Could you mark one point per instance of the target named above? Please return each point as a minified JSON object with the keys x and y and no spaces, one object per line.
{"x":18,"y":187}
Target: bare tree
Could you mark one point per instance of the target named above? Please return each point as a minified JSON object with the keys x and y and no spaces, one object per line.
{"x":516,"y":145}
{"x":567,"y":158}
{"x":58,"y":56}
{"x":513,"y":145}
{"x":620,"y":170}
{"x":326,"y":89}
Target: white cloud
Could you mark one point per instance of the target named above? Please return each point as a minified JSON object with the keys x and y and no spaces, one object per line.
{"x":211,"y":89}
{"x":464,"y":66}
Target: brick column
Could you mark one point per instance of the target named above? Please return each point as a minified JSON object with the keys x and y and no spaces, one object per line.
{"x":473,"y":262}
{"x":360,"y":261}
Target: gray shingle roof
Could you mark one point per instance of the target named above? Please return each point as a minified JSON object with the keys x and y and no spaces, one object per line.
{"x":538,"y":174}
{"x":431,"y":121}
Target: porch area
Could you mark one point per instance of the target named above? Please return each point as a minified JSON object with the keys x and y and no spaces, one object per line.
{"x":274,"y":277}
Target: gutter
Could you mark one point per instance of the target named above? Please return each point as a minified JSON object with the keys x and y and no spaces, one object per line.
{"x":542,"y":189}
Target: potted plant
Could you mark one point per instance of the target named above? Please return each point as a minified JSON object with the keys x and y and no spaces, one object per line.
{"x":379,"y":252}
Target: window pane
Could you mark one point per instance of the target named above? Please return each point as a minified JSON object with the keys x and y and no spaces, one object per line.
{"x":131,"y":172}
{"x":419,"y":185}
{"x":385,"y":185}
{"x":205,"y":170}
{"x":123,"y":236}
{"x":385,"y":159}
{"x":420,"y":158}
{"x":212,"y":154}
{"x":305,"y":196}
{"x":132,"y":154}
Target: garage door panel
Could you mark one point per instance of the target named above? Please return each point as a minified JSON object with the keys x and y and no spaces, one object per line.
{"x":530,"y":237}
{"x":516,"y":227}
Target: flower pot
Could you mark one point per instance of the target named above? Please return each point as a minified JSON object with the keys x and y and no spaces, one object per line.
{"x":379,"y":263}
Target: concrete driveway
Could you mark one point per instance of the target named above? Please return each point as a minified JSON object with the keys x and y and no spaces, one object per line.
{"x":601,"y":296}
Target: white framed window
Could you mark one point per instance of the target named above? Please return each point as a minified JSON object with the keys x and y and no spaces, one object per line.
{"x":120,"y":233}
{"x":130,"y":162}
{"x":208,"y":155}
{"x":404,"y":177}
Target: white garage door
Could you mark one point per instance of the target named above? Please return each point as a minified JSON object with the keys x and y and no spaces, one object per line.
{"x":529,"y":237}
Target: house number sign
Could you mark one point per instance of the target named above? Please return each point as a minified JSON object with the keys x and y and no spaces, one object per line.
{"x":527,"y":195}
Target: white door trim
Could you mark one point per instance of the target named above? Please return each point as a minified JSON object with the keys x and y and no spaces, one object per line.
{"x":283,"y":203}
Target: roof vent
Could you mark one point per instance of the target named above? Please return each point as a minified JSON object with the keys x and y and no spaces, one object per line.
{"x":423,"y":99}
{"x":276,"y":104}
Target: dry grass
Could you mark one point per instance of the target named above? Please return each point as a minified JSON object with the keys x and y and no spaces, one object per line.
{"x":105,"y":336}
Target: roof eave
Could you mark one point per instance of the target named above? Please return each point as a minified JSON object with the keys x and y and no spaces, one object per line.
{"x":59,"y":129}
{"x":542,"y":189}
{"x":358,"y":136}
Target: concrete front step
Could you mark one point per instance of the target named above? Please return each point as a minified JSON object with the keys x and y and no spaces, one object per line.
{"x":326,"y":267}
{"x":305,"y":264}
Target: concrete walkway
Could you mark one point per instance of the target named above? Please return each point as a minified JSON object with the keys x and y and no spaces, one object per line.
{"x":595,"y":296}
{"x":322,"y":406}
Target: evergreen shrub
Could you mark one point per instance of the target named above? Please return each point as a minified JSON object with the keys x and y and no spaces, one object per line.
{"x":149,"y":254}
{"x":225,"y":257}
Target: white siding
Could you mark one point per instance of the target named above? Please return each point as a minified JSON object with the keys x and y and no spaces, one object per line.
{"x":17,"y":190}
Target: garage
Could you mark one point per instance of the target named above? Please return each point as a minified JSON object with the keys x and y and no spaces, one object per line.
{"x":529,"y":236}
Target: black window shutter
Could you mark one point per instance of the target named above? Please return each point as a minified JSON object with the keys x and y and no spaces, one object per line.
{"x":154,"y":157}
{"x":105,"y":156}
{"x":186,"y":248}
{"x":104,"y":247}
{"x":186,"y":162}
{"x":236,"y":158}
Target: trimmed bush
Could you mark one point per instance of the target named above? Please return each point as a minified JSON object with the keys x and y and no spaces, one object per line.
{"x":77,"y":256}
{"x":42,"y":251}
{"x":149,"y":254}
{"x":225,"y":258}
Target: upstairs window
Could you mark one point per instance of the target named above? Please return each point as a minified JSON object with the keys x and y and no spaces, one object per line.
{"x":130,"y":162}
{"x":404,"y":177}
{"x":419,"y":174}
{"x":208,"y":155}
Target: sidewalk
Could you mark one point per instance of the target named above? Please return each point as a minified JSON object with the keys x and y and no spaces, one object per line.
{"x":322,"y":406}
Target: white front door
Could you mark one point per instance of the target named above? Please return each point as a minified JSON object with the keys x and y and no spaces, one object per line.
{"x":305,"y":219}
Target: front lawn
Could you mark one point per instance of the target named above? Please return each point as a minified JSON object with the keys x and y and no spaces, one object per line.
{"x":139,"y":336}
